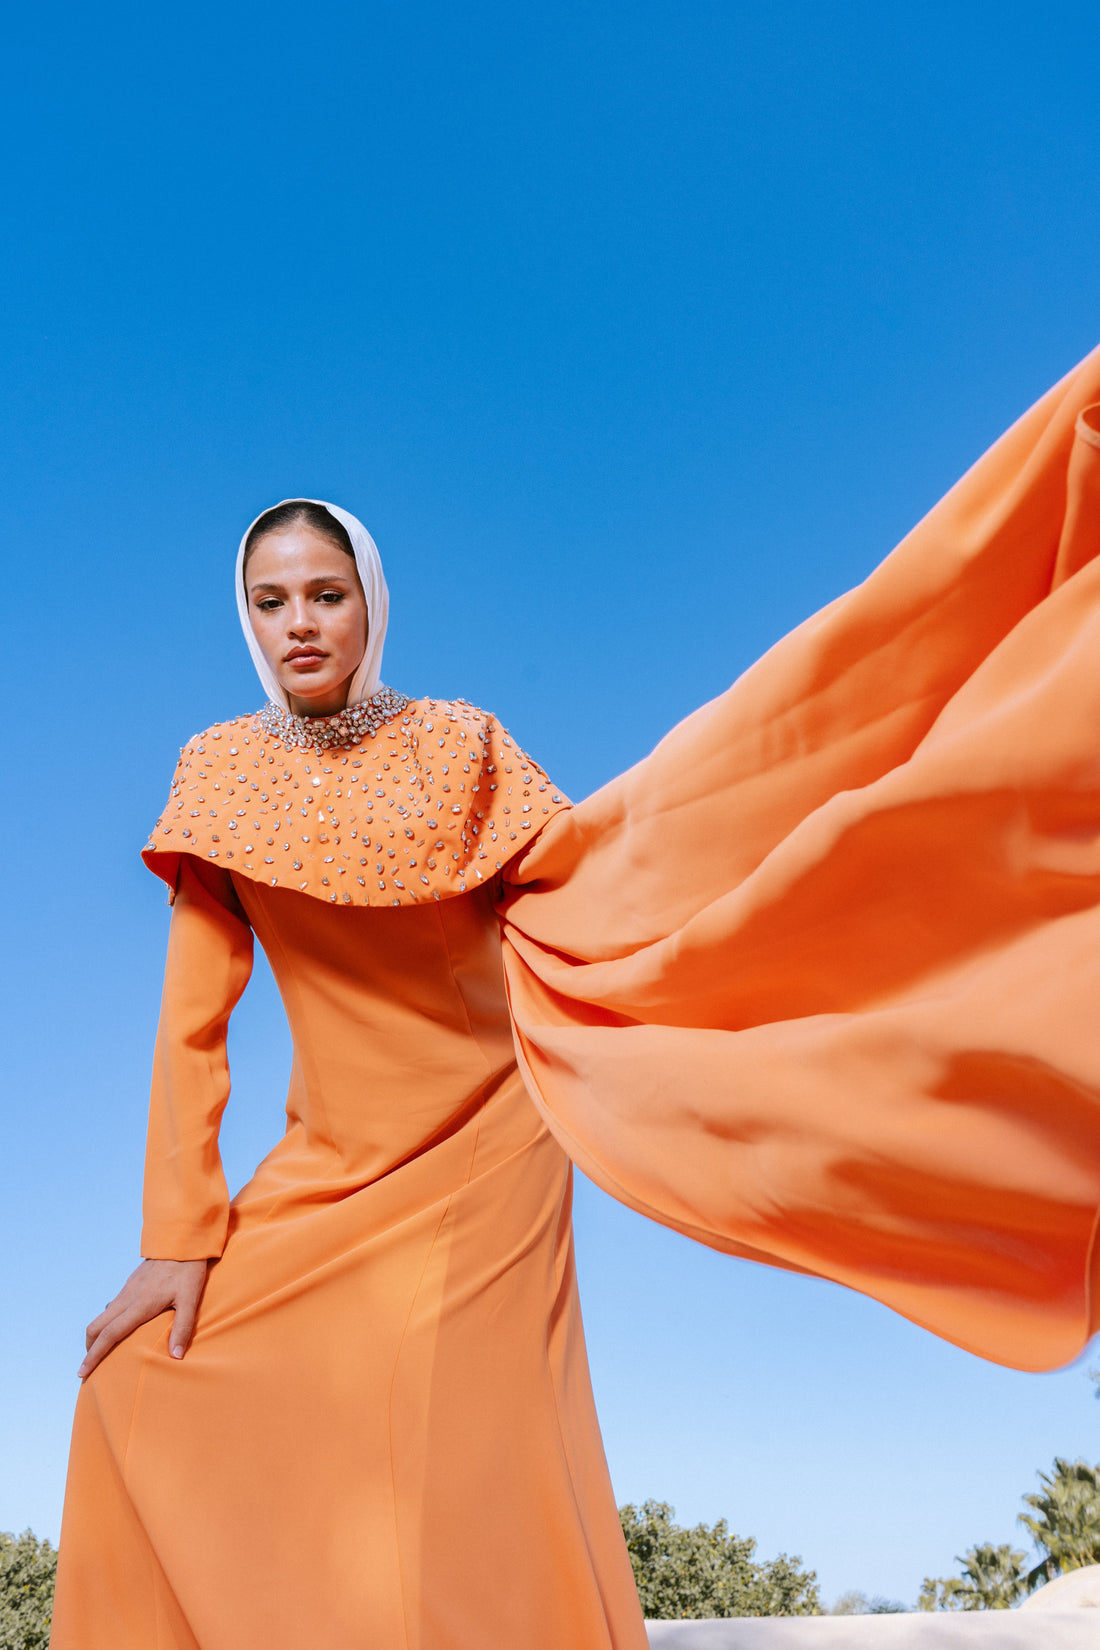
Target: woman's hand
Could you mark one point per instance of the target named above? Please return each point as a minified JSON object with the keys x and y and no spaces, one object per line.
{"x":157,"y":1286}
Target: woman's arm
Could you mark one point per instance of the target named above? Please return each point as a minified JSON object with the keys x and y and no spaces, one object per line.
{"x":186,"y":1201}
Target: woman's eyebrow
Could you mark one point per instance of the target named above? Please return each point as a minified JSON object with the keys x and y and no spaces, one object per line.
{"x":320,"y":578}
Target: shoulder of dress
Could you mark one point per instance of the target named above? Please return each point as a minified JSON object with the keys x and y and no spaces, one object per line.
{"x":443,"y":716}
{"x":431,"y":804}
{"x":217,"y":739}
{"x":447,"y":712}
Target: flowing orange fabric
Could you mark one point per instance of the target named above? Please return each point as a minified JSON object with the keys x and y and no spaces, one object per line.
{"x":816,"y":983}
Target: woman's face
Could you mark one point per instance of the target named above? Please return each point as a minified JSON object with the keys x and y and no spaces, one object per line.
{"x":309,"y":616}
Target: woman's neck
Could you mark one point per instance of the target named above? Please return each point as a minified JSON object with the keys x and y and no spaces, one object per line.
{"x":325,"y":704}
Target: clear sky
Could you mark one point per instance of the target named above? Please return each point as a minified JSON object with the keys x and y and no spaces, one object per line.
{"x":634,"y":332}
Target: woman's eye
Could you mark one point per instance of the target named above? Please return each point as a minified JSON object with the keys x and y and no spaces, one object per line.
{"x":331,"y":597}
{"x":269,"y":604}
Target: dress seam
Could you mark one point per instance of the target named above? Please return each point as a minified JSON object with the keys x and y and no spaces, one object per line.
{"x":563,"y":1431}
{"x":317,"y":1091}
{"x":157,"y":1578}
{"x":423,"y":1273}
{"x":139,"y":1388}
{"x":389,"y":1406}
{"x":459,"y":993}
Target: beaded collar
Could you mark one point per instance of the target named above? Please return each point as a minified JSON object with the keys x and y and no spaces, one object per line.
{"x":348,"y":727}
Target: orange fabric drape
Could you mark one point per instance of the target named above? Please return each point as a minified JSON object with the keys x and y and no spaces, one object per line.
{"x":818,"y":981}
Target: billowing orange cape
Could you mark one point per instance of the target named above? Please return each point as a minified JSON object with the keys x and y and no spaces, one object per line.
{"x":818,"y":981}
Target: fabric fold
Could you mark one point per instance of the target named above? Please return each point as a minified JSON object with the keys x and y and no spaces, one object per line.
{"x":816,"y":981}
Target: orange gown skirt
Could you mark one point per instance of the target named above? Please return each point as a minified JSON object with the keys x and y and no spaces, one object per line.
{"x":815,"y":983}
{"x":383,"y":1432}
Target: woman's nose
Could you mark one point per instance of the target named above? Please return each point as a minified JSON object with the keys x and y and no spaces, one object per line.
{"x":299,"y":621}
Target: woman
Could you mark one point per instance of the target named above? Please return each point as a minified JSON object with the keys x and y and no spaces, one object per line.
{"x":815,"y":983}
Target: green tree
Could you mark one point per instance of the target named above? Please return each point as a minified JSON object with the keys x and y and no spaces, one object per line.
{"x":690,"y":1574}
{"x":27,"y":1569}
{"x":993,"y":1578}
{"x":1064,"y":1521}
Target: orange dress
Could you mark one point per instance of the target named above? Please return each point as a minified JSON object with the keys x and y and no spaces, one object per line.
{"x":816,"y":983}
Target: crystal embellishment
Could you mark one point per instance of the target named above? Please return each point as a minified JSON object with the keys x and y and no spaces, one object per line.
{"x":347,"y":727}
{"x":433,"y":793}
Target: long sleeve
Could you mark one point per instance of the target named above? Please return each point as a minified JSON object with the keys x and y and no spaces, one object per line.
{"x":186,"y":1201}
{"x":817,"y":981}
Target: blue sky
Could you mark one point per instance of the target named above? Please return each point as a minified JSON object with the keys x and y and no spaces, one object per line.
{"x":634,"y":333}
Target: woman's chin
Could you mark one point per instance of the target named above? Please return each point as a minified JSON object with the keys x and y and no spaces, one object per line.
{"x":315,"y":698}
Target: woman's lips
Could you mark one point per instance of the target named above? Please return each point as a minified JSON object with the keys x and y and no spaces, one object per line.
{"x":305,"y":661}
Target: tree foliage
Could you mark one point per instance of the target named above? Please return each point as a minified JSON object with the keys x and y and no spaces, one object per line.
{"x":689,"y":1574}
{"x":993,"y":1578}
{"x":27,"y":1569}
{"x":1063,"y":1521}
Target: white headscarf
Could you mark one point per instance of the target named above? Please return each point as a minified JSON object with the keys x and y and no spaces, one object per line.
{"x":368,"y":677}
